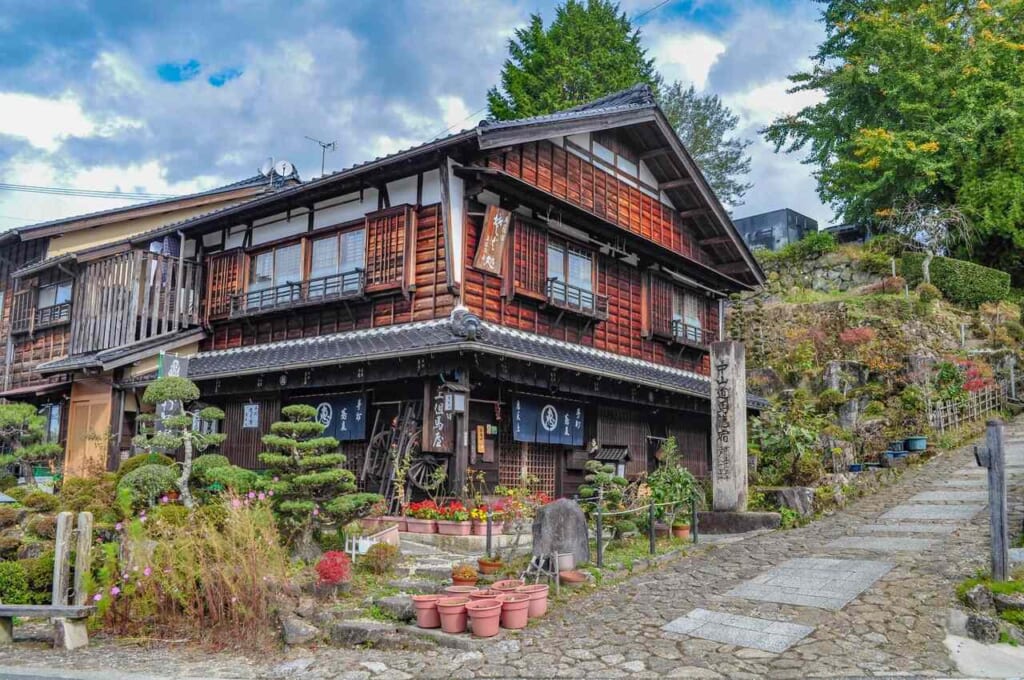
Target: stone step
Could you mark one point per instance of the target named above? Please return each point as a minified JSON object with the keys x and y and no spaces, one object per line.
{"x":907,"y":528}
{"x":883,"y":543}
{"x":933,"y":512}
{"x":768,"y":635}
{"x":949,"y":496}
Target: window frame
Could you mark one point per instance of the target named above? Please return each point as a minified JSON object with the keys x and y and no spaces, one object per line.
{"x":56,"y":286}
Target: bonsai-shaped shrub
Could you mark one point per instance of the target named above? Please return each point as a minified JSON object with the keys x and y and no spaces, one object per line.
{"x":603,"y":488}
{"x":673,"y":487}
{"x":334,"y":567}
{"x":172,"y":432}
{"x":138,"y":461}
{"x":148,"y":483}
{"x":311,"y":488}
{"x":232,"y":478}
{"x":23,"y":438}
{"x":381,"y":558}
{"x":41,"y":501}
{"x":202,"y":466}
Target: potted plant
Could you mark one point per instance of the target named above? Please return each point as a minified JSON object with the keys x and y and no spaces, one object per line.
{"x":464,"y":575}
{"x":453,"y":520}
{"x":673,"y":487}
{"x":478,"y":515}
{"x":489,"y":565}
{"x":681,"y":528}
{"x":422,"y":517}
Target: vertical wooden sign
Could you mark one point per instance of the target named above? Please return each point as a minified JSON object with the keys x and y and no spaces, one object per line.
{"x":438,"y":425}
{"x":490,"y":252}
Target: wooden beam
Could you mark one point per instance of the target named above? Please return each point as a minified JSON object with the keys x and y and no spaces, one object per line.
{"x":676,"y":183}
{"x":737,"y":267}
{"x":654,"y":153}
{"x":693,"y":212}
{"x":716,"y":241}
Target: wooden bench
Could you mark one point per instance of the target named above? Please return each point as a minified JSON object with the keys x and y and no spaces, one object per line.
{"x":70,"y":619}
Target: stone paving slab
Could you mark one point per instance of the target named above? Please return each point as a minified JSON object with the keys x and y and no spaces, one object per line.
{"x":933,"y":512}
{"x":883,"y":543}
{"x":982,"y":483}
{"x":820,"y":582}
{"x":972,"y":471}
{"x":949,"y":496}
{"x":743,"y":631}
{"x":907,"y":528}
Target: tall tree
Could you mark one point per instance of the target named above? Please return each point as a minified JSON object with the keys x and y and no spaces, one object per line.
{"x":705,"y":125}
{"x":591,"y":49}
{"x":922,"y":102}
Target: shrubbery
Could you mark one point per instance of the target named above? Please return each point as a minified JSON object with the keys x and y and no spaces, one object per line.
{"x":13,"y":583}
{"x":813,"y":245}
{"x":147,"y":483}
{"x":962,"y":282}
{"x":41,"y":501}
{"x":140,"y":460}
{"x":381,"y":558}
{"x":203,"y":465}
{"x":928,"y":293}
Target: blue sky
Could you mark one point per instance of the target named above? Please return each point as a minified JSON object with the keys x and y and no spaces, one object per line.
{"x":178,"y":96}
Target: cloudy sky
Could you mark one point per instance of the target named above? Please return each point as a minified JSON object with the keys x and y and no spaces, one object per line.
{"x":173,"y":97}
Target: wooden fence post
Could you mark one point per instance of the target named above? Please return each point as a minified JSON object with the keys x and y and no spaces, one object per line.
{"x":994,"y":460}
{"x":62,"y":559}
{"x":83,"y":556}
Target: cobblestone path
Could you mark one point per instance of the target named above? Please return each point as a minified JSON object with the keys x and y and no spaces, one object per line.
{"x":874,"y":602}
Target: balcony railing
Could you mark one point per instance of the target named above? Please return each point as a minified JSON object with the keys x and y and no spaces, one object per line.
{"x":26,"y":319}
{"x":344,"y":286}
{"x":576,"y":300}
{"x":695,"y":336}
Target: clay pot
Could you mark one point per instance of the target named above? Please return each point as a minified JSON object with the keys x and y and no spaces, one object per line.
{"x":447,"y":527}
{"x":565,"y":561}
{"x":426,"y":610}
{"x":538,"y":594}
{"x":486,"y":617}
{"x":463,"y":581}
{"x":572,"y":577}
{"x":460,"y":590}
{"x":453,"y":614}
{"x":421,"y":526}
{"x":397,"y":519}
{"x":515,"y":610}
{"x":489,"y":567}
{"x":508,"y":585}
{"x":484,"y":594}
{"x":681,"y":532}
{"x":480,"y":528}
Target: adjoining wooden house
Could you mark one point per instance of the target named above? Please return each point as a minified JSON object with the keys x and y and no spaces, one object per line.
{"x":63,"y":327}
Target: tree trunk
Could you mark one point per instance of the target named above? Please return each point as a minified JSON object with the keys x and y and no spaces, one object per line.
{"x":186,"y":472}
{"x":926,"y":273}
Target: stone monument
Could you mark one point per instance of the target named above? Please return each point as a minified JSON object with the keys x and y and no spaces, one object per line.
{"x":728,"y":426}
{"x":561,"y":527}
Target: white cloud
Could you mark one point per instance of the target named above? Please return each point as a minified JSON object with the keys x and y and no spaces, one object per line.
{"x":685,"y":56}
{"x":43,"y":122}
{"x":764,"y":103}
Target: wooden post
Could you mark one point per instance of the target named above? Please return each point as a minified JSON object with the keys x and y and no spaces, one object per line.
{"x":650,"y":529}
{"x":61,"y":559}
{"x":599,"y":526}
{"x":83,"y":556}
{"x":996,"y":463}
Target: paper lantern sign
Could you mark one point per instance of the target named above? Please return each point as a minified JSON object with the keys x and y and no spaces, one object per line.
{"x":342,"y":415}
{"x":491,"y":252}
{"x":547,"y":421}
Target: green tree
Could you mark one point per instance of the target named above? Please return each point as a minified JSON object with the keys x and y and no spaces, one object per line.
{"x":23,"y":438}
{"x":706,"y":127}
{"x":171,"y":428}
{"x":591,"y":49}
{"x":311,"y":487}
{"x":921,"y":102}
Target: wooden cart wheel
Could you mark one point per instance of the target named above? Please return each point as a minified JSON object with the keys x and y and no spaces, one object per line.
{"x":377,"y":454}
{"x":422,"y":469}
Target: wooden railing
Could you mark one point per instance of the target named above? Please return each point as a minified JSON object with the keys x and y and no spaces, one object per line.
{"x":692,"y":335}
{"x":951,"y":415}
{"x":577,"y":300}
{"x":344,"y":286}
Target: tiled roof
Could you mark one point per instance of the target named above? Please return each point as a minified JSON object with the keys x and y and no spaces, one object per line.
{"x":45,"y":263}
{"x":438,"y":336}
{"x":636,"y":97}
{"x":114,"y":357}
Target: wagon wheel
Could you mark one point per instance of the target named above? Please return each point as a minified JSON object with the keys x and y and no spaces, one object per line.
{"x":378,"y":455}
{"x":422,"y":469}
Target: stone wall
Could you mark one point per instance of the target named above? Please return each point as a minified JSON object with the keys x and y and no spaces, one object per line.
{"x":826,"y":273}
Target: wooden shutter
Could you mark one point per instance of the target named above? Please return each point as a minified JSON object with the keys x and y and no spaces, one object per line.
{"x":389,"y":250}
{"x":528,"y":256}
{"x":658,"y":307}
{"x":224,"y":279}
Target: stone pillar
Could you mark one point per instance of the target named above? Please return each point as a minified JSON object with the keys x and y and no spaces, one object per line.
{"x":729,"y":426}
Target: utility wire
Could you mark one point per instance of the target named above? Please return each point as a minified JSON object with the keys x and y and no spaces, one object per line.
{"x":458,"y":122}
{"x":87,"y":193}
{"x":651,"y":9}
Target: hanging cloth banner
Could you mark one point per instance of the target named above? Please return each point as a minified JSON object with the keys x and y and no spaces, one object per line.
{"x":490,"y":253}
{"x":547,"y":421}
{"x":342,"y":415}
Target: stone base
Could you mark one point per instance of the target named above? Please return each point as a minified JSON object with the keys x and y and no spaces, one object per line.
{"x":736,"y":522}
{"x":70,"y":634}
{"x":468,"y":545}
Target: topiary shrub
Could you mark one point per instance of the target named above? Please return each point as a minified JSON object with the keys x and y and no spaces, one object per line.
{"x":147,"y":483}
{"x":13,"y":583}
{"x":928,"y":293}
{"x":381,"y":558}
{"x":138,"y":461}
{"x":41,"y":501}
{"x":171,"y":514}
{"x":232,"y":478}
{"x":44,"y":526}
{"x":962,"y":282}
{"x":202,"y":465}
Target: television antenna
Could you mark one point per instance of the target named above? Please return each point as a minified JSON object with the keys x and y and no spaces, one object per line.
{"x":324,"y":148}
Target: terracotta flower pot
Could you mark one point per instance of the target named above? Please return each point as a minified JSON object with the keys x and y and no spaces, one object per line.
{"x":453,"y":614}
{"x":463,"y":581}
{"x":460,"y":590}
{"x":681,"y":532}
{"x":486,"y":617}
{"x":480,"y":528}
{"x":447,"y":527}
{"x":397,"y":519}
{"x":487,"y":567}
{"x":484,"y":594}
{"x":426,"y":610}
{"x":508,"y":585}
{"x":497,"y":527}
{"x":421,"y":526}
{"x":538,"y":594}
{"x":572,"y":577}
{"x":515,"y":610}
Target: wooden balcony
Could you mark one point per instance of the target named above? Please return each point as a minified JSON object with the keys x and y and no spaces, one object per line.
{"x":576,"y":300}
{"x":334,"y":287}
{"x":27,"y":318}
{"x":692,"y":336}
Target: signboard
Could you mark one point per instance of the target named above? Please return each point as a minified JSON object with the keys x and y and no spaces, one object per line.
{"x":250,"y":415}
{"x":490,"y":253}
{"x":438,"y":424}
{"x":171,"y":365}
{"x":342,"y":415}
{"x":547,"y":421}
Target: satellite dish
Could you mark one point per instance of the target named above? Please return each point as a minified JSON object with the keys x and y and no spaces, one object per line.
{"x":267,"y":167}
{"x":284,"y":168}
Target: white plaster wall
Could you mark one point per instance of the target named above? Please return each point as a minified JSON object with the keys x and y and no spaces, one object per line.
{"x":279,"y":226}
{"x":403,"y":191}
{"x":432,"y":187}
{"x":343,"y":209}
{"x":457,"y":197}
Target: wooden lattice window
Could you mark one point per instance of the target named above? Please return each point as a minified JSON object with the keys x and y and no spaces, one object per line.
{"x":658,"y":305}
{"x":390,"y":254}
{"x":528,"y":271}
{"x":224,"y":280}
{"x":538,"y":460}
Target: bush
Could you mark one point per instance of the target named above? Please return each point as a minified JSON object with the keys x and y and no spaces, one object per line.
{"x":878,"y":264}
{"x":39,"y":573}
{"x":9,"y":548}
{"x":81,"y":493}
{"x":138,"y":461}
{"x":202,"y":465}
{"x":19,"y":493}
{"x":928,"y":293}
{"x":9,"y":516}
{"x":381,"y":558}
{"x":170,"y":514}
{"x":41,"y":501}
{"x":889,"y":245}
{"x":13,"y":583}
{"x":334,"y":567}
{"x":233,"y":478}
{"x":962,"y":282}
{"x":810,"y":246}
{"x":875,"y":408}
{"x":830,"y":399}
{"x":7,"y":481}
{"x":1014,"y":329}
{"x":147,"y":483}
{"x":44,"y":526}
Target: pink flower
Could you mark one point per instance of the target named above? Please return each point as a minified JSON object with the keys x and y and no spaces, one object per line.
{"x":164,"y":499}
{"x":263,"y":496}
{"x":316,"y":511}
{"x":270,"y":493}
{"x":118,"y":526}
{"x":147,"y":571}
{"x":235,"y":503}
{"x":115,"y":591}
{"x":252,"y":494}
{"x":277,"y":479}
{"x":143,"y":519}
{"x":234,"y":600}
{"x":97,"y":597}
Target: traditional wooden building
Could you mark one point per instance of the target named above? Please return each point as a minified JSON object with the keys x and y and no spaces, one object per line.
{"x":77,"y":303}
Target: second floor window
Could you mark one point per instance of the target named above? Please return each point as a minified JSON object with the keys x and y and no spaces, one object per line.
{"x":334,"y":257}
{"x":571,"y":274}
{"x":687,"y":312}
{"x":276,"y":267}
{"x":54,"y":294}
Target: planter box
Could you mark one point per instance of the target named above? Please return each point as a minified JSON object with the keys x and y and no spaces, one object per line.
{"x":449,"y":528}
{"x":397,"y":519}
{"x":421,"y":526}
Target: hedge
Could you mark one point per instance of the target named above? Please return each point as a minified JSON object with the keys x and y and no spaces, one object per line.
{"x":963,"y":282}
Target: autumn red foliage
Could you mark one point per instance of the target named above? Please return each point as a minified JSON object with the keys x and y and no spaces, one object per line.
{"x":334,"y":567}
